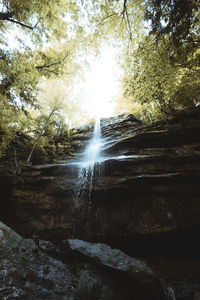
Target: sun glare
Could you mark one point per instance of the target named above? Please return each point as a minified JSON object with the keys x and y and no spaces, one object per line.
{"x":101,"y":86}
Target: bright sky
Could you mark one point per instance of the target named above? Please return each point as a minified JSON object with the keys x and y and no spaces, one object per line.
{"x":101,"y":85}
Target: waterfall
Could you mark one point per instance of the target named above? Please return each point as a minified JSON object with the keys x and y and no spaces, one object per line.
{"x":170,"y":293}
{"x":168,"y":290}
{"x":93,"y":149}
{"x":88,"y":165}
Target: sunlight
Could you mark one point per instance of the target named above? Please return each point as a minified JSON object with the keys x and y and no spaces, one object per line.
{"x":101,"y":86}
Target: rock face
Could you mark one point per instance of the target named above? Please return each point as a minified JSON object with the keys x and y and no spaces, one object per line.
{"x":42,"y":271}
{"x":144,"y":201}
{"x":148,"y":184}
{"x":115,"y":259}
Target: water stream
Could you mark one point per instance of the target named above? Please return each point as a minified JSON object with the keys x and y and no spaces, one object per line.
{"x":88,"y":167}
{"x":168,"y":290}
{"x":89,"y":164}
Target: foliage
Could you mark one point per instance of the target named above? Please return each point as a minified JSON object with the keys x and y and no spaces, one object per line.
{"x":23,"y":66}
{"x":119,"y":19}
{"x":43,"y":18}
{"x":152,"y":78}
{"x":7,"y":129}
{"x":162,"y":69}
{"x":161,"y":63}
{"x":178,"y":19}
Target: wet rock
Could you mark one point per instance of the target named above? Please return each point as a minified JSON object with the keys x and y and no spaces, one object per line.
{"x":115,"y":259}
{"x":149,"y":183}
{"x":45,"y":271}
{"x":124,"y":267}
{"x":145,"y":202}
{"x":29,"y":273}
{"x":180,"y":276}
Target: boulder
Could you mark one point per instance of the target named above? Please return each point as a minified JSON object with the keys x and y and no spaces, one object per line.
{"x":30,"y":270}
{"x":115,"y":259}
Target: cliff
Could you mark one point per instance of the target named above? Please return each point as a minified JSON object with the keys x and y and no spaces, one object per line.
{"x":144,"y":198}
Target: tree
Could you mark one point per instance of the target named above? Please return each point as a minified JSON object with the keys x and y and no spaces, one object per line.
{"x":39,"y":17}
{"x":161,"y":58}
{"x":178,"y":19}
{"x":152,"y":79}
{"x":55,"y":108}
{"x":22,"y":69}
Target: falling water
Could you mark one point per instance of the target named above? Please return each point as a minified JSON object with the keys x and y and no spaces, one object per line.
{"x":92,"y":151}
{"x":168,"y":291}
{"x":87,"y":166}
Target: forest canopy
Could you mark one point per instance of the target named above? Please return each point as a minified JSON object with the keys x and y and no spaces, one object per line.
{"x":158,"y":42}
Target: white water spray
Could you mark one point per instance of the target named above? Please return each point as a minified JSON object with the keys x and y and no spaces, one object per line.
{"x":92,"y":151}
{"x":91,"y":156}
{"x":168,"y":290}
{"x":170,"y":293}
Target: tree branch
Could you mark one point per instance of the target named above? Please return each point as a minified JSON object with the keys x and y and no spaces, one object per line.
{"x":56,"y":107}
{"x":107,"y":17}
{"x":124,"y":9}
{"x":129,"y":25}
{"x":22,"y":24}
{"x":53,"y":64}
{"x":8,"y":17}
{"x":51,"y":71}
{"x":124,"y":14}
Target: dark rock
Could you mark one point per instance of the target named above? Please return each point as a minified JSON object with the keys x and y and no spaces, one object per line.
{"x":152,"y":187}
{"x":115,"y":259}
{"x":145,"y":202}
{"x":181,"y":276}
{"x":125,"y":266}
{"x":31,"y":272}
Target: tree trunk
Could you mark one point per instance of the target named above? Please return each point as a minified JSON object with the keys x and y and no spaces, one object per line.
{"x":148,"y":113}
{"x":41,"y":133}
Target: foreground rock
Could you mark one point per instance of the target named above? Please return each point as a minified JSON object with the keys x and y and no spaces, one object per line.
{"x":26,"y":272}
{"x":115,"y":259}
{"x":31,"y":271}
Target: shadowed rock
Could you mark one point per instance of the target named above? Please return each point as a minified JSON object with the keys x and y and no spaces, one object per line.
{"x":150,"y":184}
{"x":115,"y":259}
{"x":43,"y":271}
